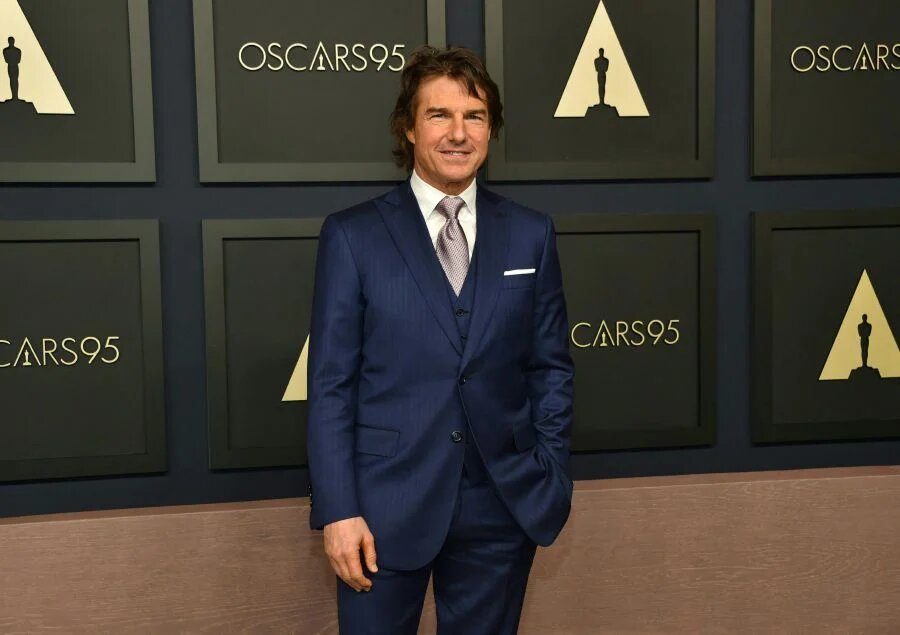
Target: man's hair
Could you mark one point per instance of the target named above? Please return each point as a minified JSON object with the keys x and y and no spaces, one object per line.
{"x":457,"y":63}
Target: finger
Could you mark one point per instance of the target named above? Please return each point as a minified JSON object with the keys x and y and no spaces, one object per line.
{"x":356,"y":573}
{"x":340,"y":568}
{"x":368,"y":548}
{"x":349,"y":576}
{"x":359,"y":577}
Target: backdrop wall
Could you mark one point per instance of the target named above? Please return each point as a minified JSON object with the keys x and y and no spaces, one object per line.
{"x":180,"y":203}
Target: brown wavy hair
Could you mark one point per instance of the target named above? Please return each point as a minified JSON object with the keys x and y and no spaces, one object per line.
{"x":458,"y":63}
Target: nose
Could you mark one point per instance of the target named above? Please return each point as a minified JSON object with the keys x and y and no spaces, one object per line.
{"x":457,"y":132}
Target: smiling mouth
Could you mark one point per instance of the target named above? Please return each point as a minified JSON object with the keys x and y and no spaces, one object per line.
{"x":455,"y":153}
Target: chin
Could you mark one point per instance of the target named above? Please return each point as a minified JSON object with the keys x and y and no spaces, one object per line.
{"x":458,"y":176}
{"x":458,"y":180}
{"x":460,"y":173}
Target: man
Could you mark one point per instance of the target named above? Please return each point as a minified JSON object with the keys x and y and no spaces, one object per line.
{"x":439,"y":376}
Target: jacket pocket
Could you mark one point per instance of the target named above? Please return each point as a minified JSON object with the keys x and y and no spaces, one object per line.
{"x":521,"y":281}
{"x":379,"y":441}
{"x":524,"y":435}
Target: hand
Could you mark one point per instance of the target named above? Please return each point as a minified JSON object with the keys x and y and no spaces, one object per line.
{"x":343,"y":541}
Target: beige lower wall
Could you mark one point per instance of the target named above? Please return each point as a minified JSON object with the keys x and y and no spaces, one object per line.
{"x":812,"y":551}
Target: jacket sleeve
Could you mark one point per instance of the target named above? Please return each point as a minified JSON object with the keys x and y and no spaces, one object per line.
{"x":334,"y":365}
{"x":550,"y":370}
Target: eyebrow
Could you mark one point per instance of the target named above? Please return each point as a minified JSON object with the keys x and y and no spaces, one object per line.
{"x":446,"y":111}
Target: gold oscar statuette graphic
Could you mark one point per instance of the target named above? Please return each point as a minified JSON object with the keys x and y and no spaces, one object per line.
{"x":296,"y":388}
{"x":601,"y":79}
{"x":865,"y":346}
{"x":26,"y":77}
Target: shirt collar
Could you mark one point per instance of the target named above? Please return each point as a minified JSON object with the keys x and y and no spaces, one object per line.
{"x":428,"y":196}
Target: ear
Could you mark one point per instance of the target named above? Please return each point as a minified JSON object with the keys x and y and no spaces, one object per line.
{"x":411,"y":136}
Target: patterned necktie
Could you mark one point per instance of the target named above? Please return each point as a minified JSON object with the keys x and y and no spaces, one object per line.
{"x":451,"y":245}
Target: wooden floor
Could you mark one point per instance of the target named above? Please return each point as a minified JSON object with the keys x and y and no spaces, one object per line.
{"x":813,"y":551}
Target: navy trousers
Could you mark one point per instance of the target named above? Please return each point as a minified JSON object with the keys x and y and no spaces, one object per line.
{"x":480,"y":576}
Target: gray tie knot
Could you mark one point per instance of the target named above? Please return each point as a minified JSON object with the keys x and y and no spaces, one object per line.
{"x":449,"y":206}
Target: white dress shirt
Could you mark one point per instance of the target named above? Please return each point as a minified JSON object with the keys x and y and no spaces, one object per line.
{"x":428,"y":197}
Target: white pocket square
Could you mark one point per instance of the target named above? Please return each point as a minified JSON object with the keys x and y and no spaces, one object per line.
{"x":517,"y":272}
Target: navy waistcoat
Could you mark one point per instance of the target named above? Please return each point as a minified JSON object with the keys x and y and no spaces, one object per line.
{"x":462,"y":310}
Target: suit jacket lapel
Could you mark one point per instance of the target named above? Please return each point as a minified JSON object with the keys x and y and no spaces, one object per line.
{"x":492,"y":242}
{"x":404,"y":221}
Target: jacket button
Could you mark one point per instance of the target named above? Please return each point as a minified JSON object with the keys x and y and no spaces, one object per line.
{"x":456,"y":436}
{"x":460,"y":312}
{"x":463,"y":380}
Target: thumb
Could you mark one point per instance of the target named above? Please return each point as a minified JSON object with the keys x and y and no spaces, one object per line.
{"x":368,"y":548}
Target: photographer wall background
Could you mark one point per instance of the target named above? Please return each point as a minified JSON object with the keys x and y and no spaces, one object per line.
{"x":180,"y":203}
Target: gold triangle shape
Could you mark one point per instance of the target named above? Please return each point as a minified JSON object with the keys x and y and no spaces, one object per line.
{"x":296,"y":389}
{"x":582,"y":92}
{"x":38,"y":83}
{"x":847,"y":351}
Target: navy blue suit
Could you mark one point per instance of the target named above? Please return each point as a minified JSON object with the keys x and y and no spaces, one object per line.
{"x":399,"y":395}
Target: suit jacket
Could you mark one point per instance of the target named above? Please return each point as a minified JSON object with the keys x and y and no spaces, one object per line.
{"x":390,"y":378}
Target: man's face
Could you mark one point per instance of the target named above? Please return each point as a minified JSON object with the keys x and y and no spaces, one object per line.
{"x":450,"y":133}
